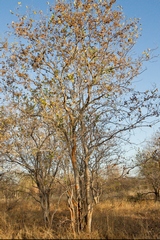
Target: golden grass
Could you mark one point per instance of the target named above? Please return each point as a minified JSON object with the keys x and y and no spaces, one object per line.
{"x":111,"y":220}
{"x":125,"y":220}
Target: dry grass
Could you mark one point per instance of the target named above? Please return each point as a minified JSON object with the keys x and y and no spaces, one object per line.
{"x":125,"y":220}
{"x":112,"y":220}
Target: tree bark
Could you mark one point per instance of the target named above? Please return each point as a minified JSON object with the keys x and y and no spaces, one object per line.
{"x":45,"y":205}
{"x":89,"y":218}
{"x":77,"y":221}
{"x":157,"y":196}
{"x":89,"y":204}
{"x":72,"y":211}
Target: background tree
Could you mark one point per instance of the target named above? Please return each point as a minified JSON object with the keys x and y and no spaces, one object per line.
{"x":77,"y":65}
{"x":32,"y":148}
{"x":149,"y":164}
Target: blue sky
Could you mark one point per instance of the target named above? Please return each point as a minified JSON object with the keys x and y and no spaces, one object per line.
{"x":149,"y":13}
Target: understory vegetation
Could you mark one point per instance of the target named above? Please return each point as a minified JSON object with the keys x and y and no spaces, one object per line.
{"x":132,"y":216}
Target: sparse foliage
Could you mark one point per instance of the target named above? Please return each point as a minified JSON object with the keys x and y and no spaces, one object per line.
{"x":73,"y":69}
{"x":149,"y":164}
{"x":33,"y":147}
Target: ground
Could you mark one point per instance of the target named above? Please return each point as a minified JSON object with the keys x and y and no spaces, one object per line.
{"x":113,"y":219}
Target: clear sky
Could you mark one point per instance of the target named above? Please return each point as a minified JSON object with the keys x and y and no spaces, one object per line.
{"x":149,"y":13}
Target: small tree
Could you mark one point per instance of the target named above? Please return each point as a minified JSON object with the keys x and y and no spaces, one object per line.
{"x":32,"y":147}
{"x":77,"y":65}
{"x":149,"y":164}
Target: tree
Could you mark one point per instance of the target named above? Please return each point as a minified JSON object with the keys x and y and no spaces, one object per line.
{"x":76,"y":64}
{"x":32,"y":151}
{"x":149,"y":164}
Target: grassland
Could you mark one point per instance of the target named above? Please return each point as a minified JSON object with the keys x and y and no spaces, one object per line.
{"x":112,"y":220}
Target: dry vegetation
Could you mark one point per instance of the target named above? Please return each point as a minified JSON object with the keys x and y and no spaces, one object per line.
{"x":67,"y":105}
{"x":113,"y":219}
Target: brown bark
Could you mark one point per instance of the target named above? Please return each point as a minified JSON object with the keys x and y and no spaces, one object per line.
{"x":157,"y":195}
{"x":89,"y":218}
{"x":89,"y":204}
{"x":45,"y":205}
{"x":71,"y":205}
{"x":77,"y":210}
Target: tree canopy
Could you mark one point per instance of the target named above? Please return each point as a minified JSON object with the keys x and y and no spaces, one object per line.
{"x":70,"y":73}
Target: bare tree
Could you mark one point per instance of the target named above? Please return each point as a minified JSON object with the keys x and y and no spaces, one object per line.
{"x":32,"y":148}
{"x":149,"y":164}
{"x":77,"y":65}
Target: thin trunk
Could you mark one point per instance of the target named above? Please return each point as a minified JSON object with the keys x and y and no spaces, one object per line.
{"x":89,"y":218}
{"x":45,"y":205}
{"x":89,"y":204}
{"x":157,"y":196}
{"x":82,"y":210}
{"x":72,"y":211}
{"x":77,"y":211}
{"x":81,"y":213}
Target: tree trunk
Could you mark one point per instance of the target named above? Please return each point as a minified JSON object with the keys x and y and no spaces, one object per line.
{"x":81,"y":207}
{"x":45,"y":205}
{"x":89,"y":219}
{"x":77,"y":208}
{"x":157,"y":196}
{"x":71,"y":205}
{"x":88,"y":198}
